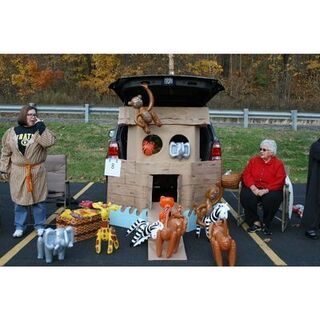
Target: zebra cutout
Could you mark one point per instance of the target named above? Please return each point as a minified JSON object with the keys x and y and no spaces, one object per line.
{"x":143,"y":231}
{"x":219,"y":212}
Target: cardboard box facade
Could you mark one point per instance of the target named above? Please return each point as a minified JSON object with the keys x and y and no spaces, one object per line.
{"x":142,"y":176}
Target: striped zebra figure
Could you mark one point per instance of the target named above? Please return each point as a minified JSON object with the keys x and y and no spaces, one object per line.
{"x":218,"y":212}
{"x":143,"y":231}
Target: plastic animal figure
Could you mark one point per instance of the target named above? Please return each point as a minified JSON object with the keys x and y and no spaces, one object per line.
{"x":105,"y":209}
{"x":107,"y":233}
{"x":143,"y":231}
{"x":175,"y":226}
{"x":144,"y":115}
{"x":221,"y":242}
{"x":213,"y":196}
{"x":148,"y":147}
{"x":54,"y":242}
{"x":166,"y":203}
{"x":219,"y":212}
{"x":179,"y":150}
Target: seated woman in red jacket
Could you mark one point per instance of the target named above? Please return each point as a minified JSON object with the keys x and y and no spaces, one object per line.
{"x":263,"y":179}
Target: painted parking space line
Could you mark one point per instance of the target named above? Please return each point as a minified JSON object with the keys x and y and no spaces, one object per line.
{"x":19,"y":246}
{"x":262,"y":244}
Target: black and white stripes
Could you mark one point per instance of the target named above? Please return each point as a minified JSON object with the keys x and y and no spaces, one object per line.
{"x":218,"y":212}
{"x":143,"y":231}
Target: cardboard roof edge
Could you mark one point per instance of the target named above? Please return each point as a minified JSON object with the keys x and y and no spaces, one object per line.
{"x":169,"y":115}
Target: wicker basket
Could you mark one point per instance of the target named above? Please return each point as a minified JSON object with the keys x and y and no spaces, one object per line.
{"x":231,"y":181}
{"x":85,"y":228}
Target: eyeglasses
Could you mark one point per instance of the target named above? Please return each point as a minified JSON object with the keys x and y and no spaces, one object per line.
{"x":263,"y":149}
{"x":31,"y":114}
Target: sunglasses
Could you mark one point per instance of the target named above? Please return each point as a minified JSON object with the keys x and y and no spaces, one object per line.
{"x":263,"y":149}
{"x":31,"y":114}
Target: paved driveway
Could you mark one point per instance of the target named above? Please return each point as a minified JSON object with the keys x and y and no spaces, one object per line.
{"x":290,"y":247}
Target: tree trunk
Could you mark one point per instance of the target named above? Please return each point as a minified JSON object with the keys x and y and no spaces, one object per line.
{"x":284,"y":84}
{"x":171,"y":64}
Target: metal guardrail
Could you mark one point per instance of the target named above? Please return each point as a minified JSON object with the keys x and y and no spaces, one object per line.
{"x":293,"y":117}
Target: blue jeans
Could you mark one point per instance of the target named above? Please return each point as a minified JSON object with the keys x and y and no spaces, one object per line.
{"x":21,"y":213}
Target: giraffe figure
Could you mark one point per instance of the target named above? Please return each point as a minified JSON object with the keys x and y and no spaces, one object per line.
{"x":107,"y":233}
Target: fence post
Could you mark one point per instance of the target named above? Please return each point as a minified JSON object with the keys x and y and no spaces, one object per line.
{"x":245,"y":117}
{"x":294,"y":119}
{"x":86,"y":112}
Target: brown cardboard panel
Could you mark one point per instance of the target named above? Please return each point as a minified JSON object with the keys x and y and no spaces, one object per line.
{"x":169,"y":115}
{"x":129,"y":166}
{"x":136,"y":136}
{"x":138,"y":180}
{"x":122,"y":200}
{"x":124,"y":189}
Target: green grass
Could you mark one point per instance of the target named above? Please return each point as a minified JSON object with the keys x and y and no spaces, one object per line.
{"x":239,"y":144}
{"x":85,"y":145}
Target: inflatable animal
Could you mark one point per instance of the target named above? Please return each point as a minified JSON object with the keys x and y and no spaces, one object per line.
{"x":145,"y":115}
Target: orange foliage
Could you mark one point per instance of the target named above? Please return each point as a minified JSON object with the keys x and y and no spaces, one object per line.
{"x":30,"y":78}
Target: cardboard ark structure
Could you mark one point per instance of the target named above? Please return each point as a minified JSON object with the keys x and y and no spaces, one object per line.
{"x":181,"y":163}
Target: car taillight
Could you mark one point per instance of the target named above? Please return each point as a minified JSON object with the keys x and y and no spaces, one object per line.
{"x":113,"y":150}
{"x":216,"y":150}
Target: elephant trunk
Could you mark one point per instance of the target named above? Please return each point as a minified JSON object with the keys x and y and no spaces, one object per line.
{"x":66,"y":238}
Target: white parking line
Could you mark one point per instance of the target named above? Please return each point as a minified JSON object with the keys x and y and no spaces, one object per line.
{"x":263,"y":245}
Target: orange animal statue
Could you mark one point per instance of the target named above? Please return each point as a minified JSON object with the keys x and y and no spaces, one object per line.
{"x":221,"y":241}
{"x":166,"y":203}
{"x":145,"y":115}
{"x":213,"y":196}
{"x":175,"y":226}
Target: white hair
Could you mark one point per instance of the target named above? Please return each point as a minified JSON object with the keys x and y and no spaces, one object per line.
{"x":271,"y":144}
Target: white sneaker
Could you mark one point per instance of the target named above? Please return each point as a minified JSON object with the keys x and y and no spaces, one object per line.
{"x":40,"y":232}
{"x":18,"y":233}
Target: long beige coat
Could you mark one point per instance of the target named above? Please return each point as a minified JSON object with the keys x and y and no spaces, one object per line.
{"x":14,"y":163}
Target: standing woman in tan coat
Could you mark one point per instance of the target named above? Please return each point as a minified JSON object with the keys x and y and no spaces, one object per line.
{"x":24,"y":151}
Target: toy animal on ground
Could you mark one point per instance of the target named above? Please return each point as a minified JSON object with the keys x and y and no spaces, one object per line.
{"x":174,"y":227}
{"x":143,"y":231}
{"x":54,"y":242}
{"x":108,"y":234}
{"x":213,"y":196}
{"x":144,"y":115}
{"x":221,"y":241}
{"x":220,"y":211}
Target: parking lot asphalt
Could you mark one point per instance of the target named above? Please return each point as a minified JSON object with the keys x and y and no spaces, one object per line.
{"x":289,"y":248}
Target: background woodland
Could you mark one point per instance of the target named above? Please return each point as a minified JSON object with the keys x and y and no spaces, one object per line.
{"x":254,"y":81}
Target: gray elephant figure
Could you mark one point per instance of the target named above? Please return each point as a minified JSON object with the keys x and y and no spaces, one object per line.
{"x":54,"y":242}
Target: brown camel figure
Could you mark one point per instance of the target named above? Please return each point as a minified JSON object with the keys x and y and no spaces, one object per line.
{"x":175,"y":226}
{"x":221,"y":242}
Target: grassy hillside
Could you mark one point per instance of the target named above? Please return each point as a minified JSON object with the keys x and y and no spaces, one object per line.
{"x":85,"y":146}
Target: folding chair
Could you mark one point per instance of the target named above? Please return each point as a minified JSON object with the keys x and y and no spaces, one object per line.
{"x":58,"y":183}
{"x":285,"y":206}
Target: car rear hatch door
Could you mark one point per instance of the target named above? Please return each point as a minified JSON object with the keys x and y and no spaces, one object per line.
{"x":168,"y":90}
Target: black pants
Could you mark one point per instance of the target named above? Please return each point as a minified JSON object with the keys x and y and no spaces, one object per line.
{"x":270,"y":204}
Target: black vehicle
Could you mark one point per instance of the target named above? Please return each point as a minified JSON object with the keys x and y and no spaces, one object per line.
{"x":168,"y":90}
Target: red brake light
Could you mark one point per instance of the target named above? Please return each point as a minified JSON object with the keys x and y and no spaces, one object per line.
{"x":216,"y":150}
{"x":113,"y":150}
